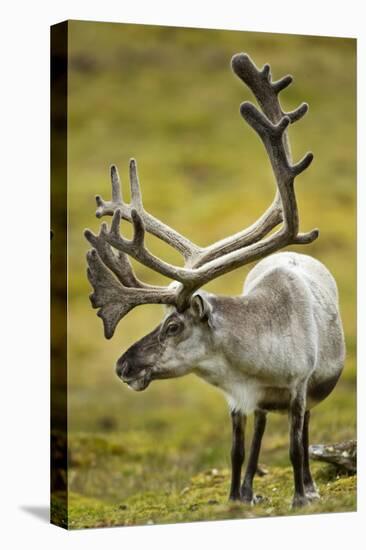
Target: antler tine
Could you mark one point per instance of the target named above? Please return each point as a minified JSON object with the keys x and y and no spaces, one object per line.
{"x":116,"y":185}
{"x":136,"y":197}
{"x":282,"y":83}
{"x":106,"y":208}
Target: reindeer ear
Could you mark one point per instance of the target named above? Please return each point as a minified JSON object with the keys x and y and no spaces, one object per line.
{"x":201,"y":307}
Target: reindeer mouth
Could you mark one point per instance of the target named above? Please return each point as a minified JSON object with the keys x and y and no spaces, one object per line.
{"x":140,"y":383}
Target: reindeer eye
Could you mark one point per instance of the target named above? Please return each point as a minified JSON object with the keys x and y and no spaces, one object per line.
{"x":172,"y":329}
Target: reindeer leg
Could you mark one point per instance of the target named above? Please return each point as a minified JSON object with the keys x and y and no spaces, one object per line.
{"x":246,"y":492}
{"x":237,"y":453}
{"x":310,"y":487}
{"x":297,"y":413}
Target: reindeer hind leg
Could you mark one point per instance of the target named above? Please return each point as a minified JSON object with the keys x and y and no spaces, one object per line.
{"x":296,"y":417}
{"x":311,"y":490}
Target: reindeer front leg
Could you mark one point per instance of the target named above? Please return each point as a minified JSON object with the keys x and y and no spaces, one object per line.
{"x":237,"y":452}
{"x":246,"y":492}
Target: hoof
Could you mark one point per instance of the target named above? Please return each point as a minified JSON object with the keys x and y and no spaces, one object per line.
{"x":257,"y":499}
{"x":234,"y":498}
{"x":252,"y":499}
{"x":312,"y":495}
{"x":300,"y":501}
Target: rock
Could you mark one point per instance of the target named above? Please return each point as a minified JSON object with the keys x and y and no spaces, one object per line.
{"x":261,"y":470}
{"x":342,"y":455}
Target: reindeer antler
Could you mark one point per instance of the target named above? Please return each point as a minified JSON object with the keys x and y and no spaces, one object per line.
{"x":116,"y":288}
{"x":116,"y":296}
{"x":152,"y":225}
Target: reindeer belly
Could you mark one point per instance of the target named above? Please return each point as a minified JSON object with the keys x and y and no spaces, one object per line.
{"x":274,"y":399}
{"x":320,"y":389}
{"x":246,"y":394}
{"x":278,"y":399}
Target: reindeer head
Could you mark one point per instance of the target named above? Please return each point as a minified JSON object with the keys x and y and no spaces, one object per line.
{"x":182,"y":340}
{"x":177,"y":346}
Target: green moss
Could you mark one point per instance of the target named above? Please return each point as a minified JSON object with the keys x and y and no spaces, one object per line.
{"x":124,"y":477}
{"x":205,"y":498}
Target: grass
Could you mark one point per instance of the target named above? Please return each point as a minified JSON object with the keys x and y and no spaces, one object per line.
{"x":133,"y":482}
{"x":205,"y":498}
{"x":167,"y":97}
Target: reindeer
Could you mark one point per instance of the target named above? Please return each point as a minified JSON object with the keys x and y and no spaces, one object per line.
{"x":277,"y":347}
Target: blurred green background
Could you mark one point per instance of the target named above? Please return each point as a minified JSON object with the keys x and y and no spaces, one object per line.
{"x":167,"y":97}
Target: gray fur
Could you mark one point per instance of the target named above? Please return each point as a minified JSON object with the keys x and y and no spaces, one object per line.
{"x":284,"y":331}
